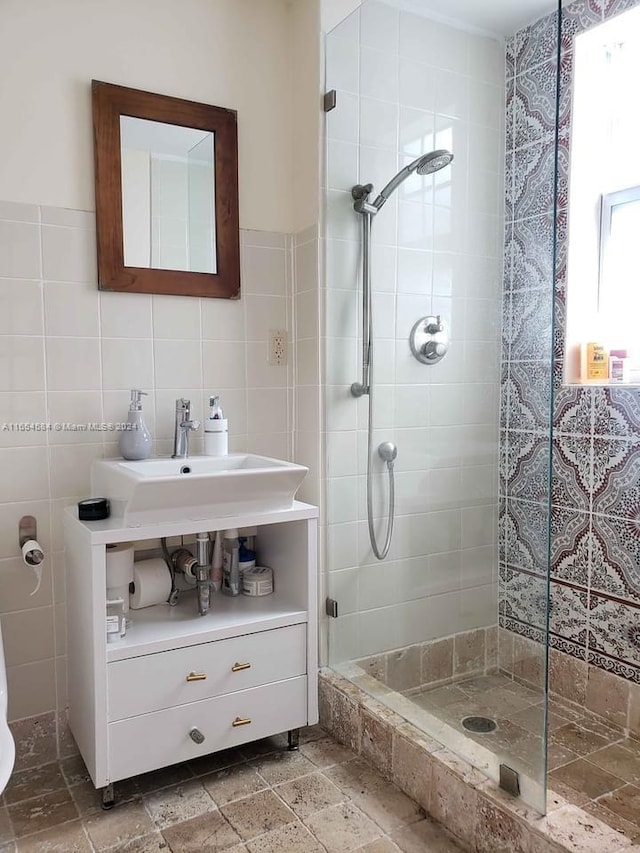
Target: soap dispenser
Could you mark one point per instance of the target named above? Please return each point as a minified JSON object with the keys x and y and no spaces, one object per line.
{"x":216,"y":430}
{"x":135,"y":441}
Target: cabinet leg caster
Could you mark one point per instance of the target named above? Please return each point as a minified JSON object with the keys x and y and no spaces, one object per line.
{"x":108,"y":797}
{"x":294,"y":738}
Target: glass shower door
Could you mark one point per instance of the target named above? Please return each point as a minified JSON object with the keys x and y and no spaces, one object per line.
{"x":455,"y":619}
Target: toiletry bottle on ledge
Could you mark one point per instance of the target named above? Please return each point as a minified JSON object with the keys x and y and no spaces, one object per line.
{"x":216,"y":430}
{"x":230,"y":568}
{"x":135,"y":442}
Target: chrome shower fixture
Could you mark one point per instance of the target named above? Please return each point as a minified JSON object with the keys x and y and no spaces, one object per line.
{"x":432,"y":350}
{"x":428,"y":164}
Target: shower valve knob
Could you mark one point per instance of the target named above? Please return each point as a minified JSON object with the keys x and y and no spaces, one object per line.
{"x":429,"y":340}
{"x":433,"y":349}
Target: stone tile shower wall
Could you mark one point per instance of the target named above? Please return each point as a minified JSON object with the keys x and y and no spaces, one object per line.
{"x":69,"y":353}
{"x":595,"y":533}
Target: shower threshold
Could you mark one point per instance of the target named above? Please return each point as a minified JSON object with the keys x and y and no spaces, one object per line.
{"x":406,"y":742}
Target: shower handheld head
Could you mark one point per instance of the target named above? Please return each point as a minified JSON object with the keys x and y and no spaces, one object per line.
{"x":427,"y":164}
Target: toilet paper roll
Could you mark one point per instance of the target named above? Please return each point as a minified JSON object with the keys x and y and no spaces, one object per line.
{"x":119,"y":564}
{"x":119,"y":592}
{"x":151,"y":583}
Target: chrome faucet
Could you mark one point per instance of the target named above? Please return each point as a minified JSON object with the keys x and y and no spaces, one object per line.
{"x":184,"y":425}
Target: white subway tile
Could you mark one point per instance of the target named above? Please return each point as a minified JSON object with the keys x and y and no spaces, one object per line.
{"x":177,"y":364}
{"x":68,"y":254}
{"x":176,"y":317}
{"x":125,"y":315}
{"x":17,"y":584}
{"x":342,"y":121}
{"x":17,"y":212}
{"x":71,"y":469}
{"x":71,"y":310}
{"x":267,"y":411}
{"x":20,"y":307}
{"x":31,"y":689}
{"x":126,"y":363}
{"x":265,"y":314}
{"x":28,"y":635}
{"x":264,"y":271}
{"x":378,"y":123}
{"x":342,"y":165}
{"x":378,"y":74}
{"x":341,"y":64}
{"x":19,"y":412}
{"x":224,"y":365}
{"x":25,"y":476}
{"x":19,"y":250}
{"x":417,"y":86}
{"x":22,"y":363}
{"x":80,"y":408}
{"x":379,"y":25}
{"x":223,"y":319}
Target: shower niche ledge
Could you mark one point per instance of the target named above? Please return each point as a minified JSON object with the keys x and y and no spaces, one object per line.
{"x":178,"y":685}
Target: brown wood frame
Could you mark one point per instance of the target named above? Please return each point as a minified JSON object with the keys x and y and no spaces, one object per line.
{"x":109,"y":103}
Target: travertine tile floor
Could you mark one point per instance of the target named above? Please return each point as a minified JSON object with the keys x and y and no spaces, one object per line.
{"x":591,"y":764}
{"x":254,"y":799}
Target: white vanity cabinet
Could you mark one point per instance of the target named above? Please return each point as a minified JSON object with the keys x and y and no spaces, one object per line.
{"x":180,"y":685}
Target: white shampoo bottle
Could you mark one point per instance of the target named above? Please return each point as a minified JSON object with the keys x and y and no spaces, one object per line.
{"x":216,"y":430}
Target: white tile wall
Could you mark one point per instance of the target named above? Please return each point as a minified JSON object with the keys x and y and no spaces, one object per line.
{"x":69,"y":353}
{"x":421,"y":85}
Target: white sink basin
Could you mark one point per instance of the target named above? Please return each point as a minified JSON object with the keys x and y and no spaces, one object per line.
{"x":158,"y":490}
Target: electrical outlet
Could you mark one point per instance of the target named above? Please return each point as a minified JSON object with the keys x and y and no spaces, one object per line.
{"x":277,"y":347}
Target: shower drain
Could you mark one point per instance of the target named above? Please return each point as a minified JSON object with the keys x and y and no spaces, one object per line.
{"x":479,"y":725}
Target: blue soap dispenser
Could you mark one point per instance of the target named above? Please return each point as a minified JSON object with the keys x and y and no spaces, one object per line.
{"x":135,"y":442}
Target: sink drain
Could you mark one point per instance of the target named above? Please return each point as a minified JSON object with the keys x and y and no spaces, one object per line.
{"x":479,"y":725}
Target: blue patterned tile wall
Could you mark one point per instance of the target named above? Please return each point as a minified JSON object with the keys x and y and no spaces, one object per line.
{"x":594,"y":526}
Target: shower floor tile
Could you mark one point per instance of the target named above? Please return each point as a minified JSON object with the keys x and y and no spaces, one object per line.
{"x":590,"y":764}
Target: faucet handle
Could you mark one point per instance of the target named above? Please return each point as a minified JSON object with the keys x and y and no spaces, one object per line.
{"x":183,"y":405}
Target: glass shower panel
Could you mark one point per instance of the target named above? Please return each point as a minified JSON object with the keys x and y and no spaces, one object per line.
{"x":455,"y":618}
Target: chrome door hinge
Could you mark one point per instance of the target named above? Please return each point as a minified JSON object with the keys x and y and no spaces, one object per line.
{"x":331,"y":608}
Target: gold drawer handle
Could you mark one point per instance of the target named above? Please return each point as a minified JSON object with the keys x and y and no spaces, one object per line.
{"x":197,"y":676}
{"x":240,"y":722}
{"x":238,"y":667}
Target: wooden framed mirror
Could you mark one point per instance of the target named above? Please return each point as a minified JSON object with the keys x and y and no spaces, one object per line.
{"x":166,"y":179}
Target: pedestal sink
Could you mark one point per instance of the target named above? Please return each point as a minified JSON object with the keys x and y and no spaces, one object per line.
{"x":160,"y":490}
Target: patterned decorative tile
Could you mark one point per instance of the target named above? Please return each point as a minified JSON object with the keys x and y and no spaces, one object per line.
{"x":537,"y":43}
{"x":617,"y":667}
{"x":568,"y":613}
{"x":616,"y":412}
{"x":614,"y":630}
{"x":530,"y":329}
{"x":610,"y":8}
{"x":505,"y":395}
{"x":527,"y":535}
{"x":534,"y":100}
{"x":615,"y":547}
{"x":533,"y":253}
{"x":528,"y":466}
{"x":572,"y":411}
{"x":523,"y":597}
{"x":530,"y":396}
{"x":509,"y":185}
{"x":502,"y":522}
{"x":534,"y":177}
{"x":616,"y":476}
{"x":571,"y":480}
{"x":570,"y":546}
{"x":509,"y":128}
{"x":577,"y":17}
{"x":569,"y":647}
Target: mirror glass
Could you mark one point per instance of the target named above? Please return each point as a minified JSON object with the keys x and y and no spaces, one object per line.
{"x":168,"y":191}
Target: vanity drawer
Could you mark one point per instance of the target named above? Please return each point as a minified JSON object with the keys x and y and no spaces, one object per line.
{"x":156,"y":740}
{"x":166,"y":679}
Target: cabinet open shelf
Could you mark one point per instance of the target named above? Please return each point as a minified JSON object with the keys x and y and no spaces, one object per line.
{"x":160,"y":628}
